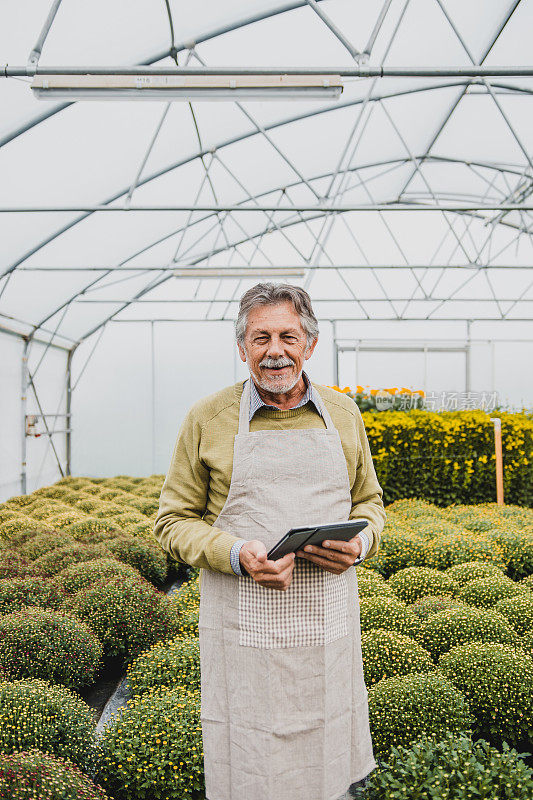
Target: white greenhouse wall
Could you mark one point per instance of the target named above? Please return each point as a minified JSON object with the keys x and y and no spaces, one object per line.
{"x":10,"y":436}
{"x":120,"y":425}
{"x":41,"y":465}
{"x":143,"y":377}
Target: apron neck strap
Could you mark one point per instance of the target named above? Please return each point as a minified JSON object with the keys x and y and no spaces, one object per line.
{"x":244,"y":409}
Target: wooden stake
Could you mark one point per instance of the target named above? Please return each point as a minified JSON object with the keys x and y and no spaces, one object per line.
{"x":499,"y":462}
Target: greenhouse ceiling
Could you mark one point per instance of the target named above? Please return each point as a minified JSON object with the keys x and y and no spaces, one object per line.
{"x":407,"y":197}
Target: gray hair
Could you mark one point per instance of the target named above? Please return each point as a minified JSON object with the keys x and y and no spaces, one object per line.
{"x":265,"y":294}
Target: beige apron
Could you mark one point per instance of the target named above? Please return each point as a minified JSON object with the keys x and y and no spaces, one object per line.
{"x":284,"y":703}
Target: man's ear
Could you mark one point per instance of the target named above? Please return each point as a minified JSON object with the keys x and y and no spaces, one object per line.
{"x":309,"y":352}
{"x":241,"y":352}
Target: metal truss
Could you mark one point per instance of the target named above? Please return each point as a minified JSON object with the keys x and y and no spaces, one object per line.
{"x":470,"y":219}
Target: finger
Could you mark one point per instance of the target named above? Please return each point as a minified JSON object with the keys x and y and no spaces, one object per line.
{"x":344,"y":547}
{"x":278,"y":577}
{"x":281,"y":564}
{"x":327,"y":563}
{"x":257,"y":549}
{"x":287,"y":562}
{"x":275,"y":578}
{"x":332,"y":555}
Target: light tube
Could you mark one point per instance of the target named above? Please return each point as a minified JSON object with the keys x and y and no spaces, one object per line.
{"x":236,"y":272}
{"x":186,"y":87}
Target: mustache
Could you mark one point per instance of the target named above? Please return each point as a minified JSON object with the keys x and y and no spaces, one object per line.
{"x":277,"y":362}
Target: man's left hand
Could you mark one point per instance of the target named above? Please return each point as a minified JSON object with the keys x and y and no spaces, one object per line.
{"x":333,"y":556}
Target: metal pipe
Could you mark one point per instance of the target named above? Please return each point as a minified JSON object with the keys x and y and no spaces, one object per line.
{"x":24,"y":336}
{"x":152,"y":359}
{"x":185,"y":45}
{"x":493,"y":39}
{"x":467,"y":357}
{"x":335,"y":354}
{"x":377,"y":27}
{"x":68,"y":432}
{"x":378,"y":299}
{"x":23,"y":411}
{"x":404,"y":348}
{"x":359,"y":320}
{"x":147,"y":153}
{"x":353,"y":51}
{"x":360,"y":71}
{"x":217,"y":208}
{"x":226,"y":143}
{"x":35,"y":54}
{"x":197,"y":260}
{"x":289,"y":267}
{"x":52,"y":433}
{"x":442,"y":341}
{"x":43,"y":416}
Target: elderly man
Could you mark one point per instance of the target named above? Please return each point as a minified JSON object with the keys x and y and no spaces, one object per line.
{"x":284,"y":703}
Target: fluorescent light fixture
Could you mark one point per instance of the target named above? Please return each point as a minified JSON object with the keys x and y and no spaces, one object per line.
{"x":186,"y":87}
{"x":236,"y":272}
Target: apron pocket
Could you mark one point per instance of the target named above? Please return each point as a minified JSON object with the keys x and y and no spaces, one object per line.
{"x":313,"y":610}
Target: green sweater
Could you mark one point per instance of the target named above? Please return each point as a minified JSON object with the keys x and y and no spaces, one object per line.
{"x":198,"y":480}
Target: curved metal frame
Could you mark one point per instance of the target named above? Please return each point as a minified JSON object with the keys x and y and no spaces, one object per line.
{"x":337,"y":179}
{"x":234,"y":26}
{"x":202,"y":154}
{"x":233,"y":140}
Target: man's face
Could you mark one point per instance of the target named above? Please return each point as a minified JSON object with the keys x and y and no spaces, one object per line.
{"x":275,"y":347}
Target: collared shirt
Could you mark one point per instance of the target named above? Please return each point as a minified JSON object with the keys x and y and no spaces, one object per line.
{"x":255,"y":404}
{"x":310,"y":396}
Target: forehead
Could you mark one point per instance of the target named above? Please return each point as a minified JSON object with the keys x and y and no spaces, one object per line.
{"x":277,"y":317}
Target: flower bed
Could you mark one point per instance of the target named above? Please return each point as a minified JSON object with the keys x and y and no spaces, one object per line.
{"x":420,"y":599}
{"x":39,"y":643}
{"x":497,"y":681}
{"x":53,"y":719}
{"x":33,"y":774}
{"x":448,"y":457}
{"x":402,"y":709}
{"x":127,"y":615}
{"x":170,"y":664}
{"x":455,"y":768}
{"x":154,"y":750}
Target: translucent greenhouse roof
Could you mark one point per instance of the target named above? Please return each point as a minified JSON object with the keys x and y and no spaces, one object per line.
{"x":102,"y":201}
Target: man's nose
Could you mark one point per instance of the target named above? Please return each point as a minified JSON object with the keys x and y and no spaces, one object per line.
{"x":275,"y":347}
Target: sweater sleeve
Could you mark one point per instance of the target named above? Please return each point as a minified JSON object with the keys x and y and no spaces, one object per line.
{"x":367,"y":494}
{"x":179,"y":526}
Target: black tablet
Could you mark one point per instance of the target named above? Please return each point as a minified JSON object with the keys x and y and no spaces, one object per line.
{"x":297,"y":538}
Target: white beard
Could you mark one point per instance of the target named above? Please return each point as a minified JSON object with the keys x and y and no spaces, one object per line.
{"x":275,"y":385}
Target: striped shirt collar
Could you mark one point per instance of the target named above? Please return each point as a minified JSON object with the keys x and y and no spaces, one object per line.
{"x":310,"y":396}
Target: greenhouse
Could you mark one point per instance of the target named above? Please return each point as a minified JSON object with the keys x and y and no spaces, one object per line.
{"x":158,"y":161}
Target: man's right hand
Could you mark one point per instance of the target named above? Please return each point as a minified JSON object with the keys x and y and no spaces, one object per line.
{"x":272,"y":574}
